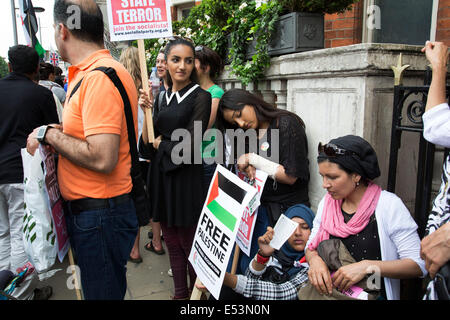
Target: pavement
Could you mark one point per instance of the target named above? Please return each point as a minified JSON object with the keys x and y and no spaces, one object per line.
{"x":146,"y":281}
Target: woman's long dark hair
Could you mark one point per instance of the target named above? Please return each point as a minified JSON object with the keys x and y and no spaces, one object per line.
{"x":237,"y":99}
{"x":172,"y":43}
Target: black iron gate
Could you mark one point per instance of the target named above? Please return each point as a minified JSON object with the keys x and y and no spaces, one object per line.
{"x":415,"y":108}
{"x":414,"y":99}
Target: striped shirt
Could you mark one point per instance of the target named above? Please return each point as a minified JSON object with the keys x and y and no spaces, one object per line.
{"x":251,"y":286}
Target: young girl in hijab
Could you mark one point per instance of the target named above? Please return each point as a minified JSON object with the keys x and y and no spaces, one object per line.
{"x":276,"y":274}
{"x":374,"y":225}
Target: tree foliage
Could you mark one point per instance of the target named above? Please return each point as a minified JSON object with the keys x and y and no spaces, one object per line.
{"x":3,"y":67}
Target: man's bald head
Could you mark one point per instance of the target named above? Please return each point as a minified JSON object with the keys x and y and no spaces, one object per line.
{"x":82,"y":17}
{"x":89,"y":6}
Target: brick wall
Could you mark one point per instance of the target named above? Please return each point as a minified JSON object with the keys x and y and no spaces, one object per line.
{"x":443,"y":22}
{"x":173,"y":12}
{"x":345,"y":28}
{"x":174,"y":9}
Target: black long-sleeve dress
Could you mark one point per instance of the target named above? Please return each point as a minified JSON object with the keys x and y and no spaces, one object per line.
{"x":176,"y":189}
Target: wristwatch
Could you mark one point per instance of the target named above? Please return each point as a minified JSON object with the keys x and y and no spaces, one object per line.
{"x":41,"y":134}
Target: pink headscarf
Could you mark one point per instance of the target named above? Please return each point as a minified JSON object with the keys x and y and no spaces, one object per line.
{"x":333,"y":220}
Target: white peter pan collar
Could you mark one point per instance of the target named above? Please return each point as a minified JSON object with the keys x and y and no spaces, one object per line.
{"x":177,"y":94}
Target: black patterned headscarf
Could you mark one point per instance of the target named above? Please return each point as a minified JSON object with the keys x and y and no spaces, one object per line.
{"x":362,"y":160}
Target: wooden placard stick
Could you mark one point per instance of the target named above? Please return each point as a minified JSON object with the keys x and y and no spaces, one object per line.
{"x":196,"y":293}
{"x":148,"y":119}
{"x":74,"y":274}
{"x":235,"y":259}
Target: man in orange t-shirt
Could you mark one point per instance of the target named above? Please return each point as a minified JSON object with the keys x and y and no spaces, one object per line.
{"x":94,"y":154}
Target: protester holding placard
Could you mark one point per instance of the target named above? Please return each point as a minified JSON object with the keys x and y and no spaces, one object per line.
{"x":94,"y":153}
{"x":278,"y":132}
{"x":374,"y":225}
{"x":277,"y":274}
{"x":176,"y":187}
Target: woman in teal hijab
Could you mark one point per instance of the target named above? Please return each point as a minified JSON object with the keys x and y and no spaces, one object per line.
{"x":275,"y":274}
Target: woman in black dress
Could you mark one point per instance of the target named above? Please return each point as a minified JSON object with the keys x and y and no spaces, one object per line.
{"x":287,"y":184}
{"x":175,"y":183}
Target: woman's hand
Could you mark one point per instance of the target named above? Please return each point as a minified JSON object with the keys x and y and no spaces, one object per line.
{"x":200,"y":286}
{"x":264,"y":241}
{"x":157,"y":142}
{"x":144,"y":100}
{"x":319,"y":275}
{"x":244,"y":166}
{"x":348,"y":275}
{"x":435,"y":249}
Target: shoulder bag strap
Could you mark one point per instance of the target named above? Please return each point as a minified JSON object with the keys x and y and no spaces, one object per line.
{"x":112,"y":75}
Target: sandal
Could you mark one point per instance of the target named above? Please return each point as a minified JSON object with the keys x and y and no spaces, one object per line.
{"x":149,"y":247}
{"x":135,"y":260}
{"x":150,"y":235}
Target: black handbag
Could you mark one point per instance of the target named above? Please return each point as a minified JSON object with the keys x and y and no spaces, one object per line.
{"x":139,"y":192}
{"x":442,"y":282}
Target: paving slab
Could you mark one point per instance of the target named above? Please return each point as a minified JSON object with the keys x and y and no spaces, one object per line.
{"x":146,"y":281}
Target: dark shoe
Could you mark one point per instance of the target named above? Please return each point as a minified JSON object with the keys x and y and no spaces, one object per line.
{"x":149,"y":246}
{"x":135,"y":260}
{"x":43,"y":293}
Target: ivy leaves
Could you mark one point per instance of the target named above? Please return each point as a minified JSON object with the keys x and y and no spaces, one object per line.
{"x":252,"y":24}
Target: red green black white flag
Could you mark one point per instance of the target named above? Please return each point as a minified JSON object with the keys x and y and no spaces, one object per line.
{"x":223,"y":190}
{"x":30,"y":25}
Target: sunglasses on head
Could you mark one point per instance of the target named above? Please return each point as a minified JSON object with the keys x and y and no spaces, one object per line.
{"x":332,"y":150}
{"x":174,"y":38}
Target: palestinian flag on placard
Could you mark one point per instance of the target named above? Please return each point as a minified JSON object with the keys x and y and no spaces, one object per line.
{"x":223,"y":191}
{"x":30,"y":25}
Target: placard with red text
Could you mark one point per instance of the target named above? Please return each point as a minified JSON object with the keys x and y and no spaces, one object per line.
{"x":139,"y":19}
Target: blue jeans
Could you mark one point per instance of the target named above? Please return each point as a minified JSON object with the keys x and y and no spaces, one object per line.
{"x":102,"y":240}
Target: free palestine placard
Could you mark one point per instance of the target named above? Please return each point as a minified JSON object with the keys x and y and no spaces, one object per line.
{"x":227,"y":198}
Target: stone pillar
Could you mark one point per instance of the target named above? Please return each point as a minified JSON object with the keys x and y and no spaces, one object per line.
{"x":280,"y":89}
{"x":239,"y":85}
{"x":228,"y":85}
{"x":252,"y":87}
{"x":267,"y":94}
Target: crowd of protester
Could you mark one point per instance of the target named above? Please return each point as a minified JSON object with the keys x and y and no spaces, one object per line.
{"x":358,"y":230}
